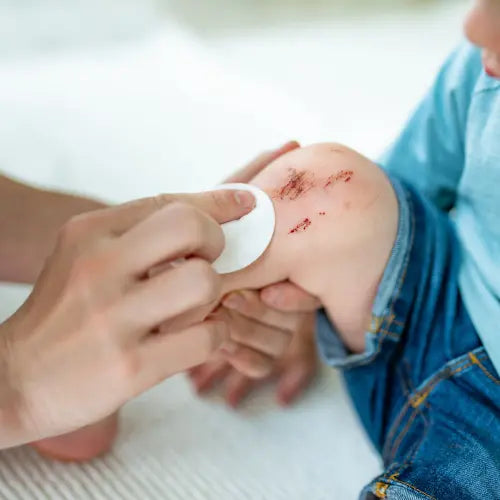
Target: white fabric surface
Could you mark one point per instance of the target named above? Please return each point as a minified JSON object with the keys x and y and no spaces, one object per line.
{"x":164,"y":110}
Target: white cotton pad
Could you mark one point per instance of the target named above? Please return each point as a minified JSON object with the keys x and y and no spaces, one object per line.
{"x":248,"y":237}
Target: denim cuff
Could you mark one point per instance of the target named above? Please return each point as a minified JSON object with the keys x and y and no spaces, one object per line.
{"x":332,"y":349}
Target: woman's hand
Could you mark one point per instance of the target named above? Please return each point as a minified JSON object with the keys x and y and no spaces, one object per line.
{"x":86,"y":339}
{"x":96,"y":439}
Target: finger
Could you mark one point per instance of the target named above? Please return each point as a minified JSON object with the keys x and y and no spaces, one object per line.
{"x":207,"y":375}
{"x":293,"y":381}
{"x":149,"y":303}
{"x":160,"y":356}
{"x":186,"y":319}
{"x":174,"y":232}
{"x":299,"y":366}
{"x":238,"y":386}
{"x":189,"y":318}
{"x":248,"y":303}
{"x":247,"y":173}
{"x":222,"y":205}
{"x":251,"y":363}
{"x":287,"y":297}
{"x":268,"y":340}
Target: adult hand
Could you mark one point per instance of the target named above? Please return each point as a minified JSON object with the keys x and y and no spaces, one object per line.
{"x":86,"y":339}
{"x":96,"y":439}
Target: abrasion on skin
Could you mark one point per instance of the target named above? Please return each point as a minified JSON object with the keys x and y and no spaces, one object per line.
{"x":298,"y":183}
{"x":301,"y":182}
{"x":343,"y":175}
{"x":301,"y":226}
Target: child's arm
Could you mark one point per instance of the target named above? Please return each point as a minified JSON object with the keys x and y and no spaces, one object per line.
{"x":430,"y":152}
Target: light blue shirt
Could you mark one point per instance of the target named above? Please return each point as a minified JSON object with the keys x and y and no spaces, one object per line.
{"x":450,"y":150}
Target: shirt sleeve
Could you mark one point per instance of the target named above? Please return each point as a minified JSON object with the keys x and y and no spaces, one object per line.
{"x":430,"y":152}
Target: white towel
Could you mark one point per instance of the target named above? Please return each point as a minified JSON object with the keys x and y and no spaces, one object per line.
{"x":175,"y":446}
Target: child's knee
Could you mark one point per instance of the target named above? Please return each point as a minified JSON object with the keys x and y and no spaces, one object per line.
{"x":329,"y":187}
{"x":336,"y":215}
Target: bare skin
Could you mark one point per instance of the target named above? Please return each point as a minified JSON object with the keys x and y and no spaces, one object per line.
{"x":323,"y":252}
{"x":292,"y":370}
{"x":336,"y":224}
{"x":482,"y":27}
{"x":86,"y":340}
{"x":335,"y":230}
{"x":30,"y":224}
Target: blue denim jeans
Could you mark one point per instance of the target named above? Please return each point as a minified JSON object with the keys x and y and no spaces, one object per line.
{"x":425,"y":389}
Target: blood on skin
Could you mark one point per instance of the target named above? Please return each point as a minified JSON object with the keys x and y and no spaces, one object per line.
{"x":301,"y":226}
{"x":322,"y":213}
{"x":343,"y":175}
{"x":298,"y":183}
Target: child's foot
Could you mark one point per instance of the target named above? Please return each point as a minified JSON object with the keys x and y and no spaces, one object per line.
{"x":81,"y":445}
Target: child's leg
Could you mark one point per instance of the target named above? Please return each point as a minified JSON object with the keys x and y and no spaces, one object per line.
{"x":336,"y":222}
{"x":424,"y":388}
{"x":419,"y":377}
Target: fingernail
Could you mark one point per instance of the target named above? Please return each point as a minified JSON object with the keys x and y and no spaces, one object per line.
{"x":287,"y":145}
{"x":245,"y":198}
{"x":233,"y":301}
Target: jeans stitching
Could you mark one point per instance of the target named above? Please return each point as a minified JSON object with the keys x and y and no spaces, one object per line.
{"x":397,"y":421}
{"x":411,"y":455}
{"x":397,"y":443}
{"x":460,"y":365}
{"x":391,"y":316}
{"x":395,"y":425}
{"x":396,"y":480}
{"x":389,"y":334}
{"x":424,"y":393}
{"x":475,"y":360}
{"x":420,"y":397}
{"x":412,"y":388}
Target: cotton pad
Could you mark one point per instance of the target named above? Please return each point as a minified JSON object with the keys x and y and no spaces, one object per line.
{"x":246,"y":238}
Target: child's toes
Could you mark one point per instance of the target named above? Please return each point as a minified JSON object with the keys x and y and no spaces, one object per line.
{"x":81,"y":445}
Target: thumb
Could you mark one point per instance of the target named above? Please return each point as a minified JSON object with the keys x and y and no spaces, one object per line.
{"x":222,"y":205}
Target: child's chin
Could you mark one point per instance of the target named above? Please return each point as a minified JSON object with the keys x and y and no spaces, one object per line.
{"x":491,"y":64}
{"x":81,"y":445}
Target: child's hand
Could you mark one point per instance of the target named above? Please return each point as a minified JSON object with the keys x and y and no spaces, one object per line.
{"x":269,"y":341}
{"x":249,"y":171}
